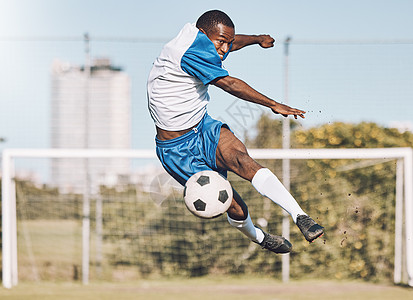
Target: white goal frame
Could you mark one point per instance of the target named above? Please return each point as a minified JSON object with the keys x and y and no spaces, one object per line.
{"x":404,"y":191}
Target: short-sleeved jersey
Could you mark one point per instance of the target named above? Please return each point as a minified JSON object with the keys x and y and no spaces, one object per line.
{"x":178,"y":82}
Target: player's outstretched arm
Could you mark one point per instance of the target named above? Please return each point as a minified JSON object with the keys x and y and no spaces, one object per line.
{"x":242,"y":40}
{"x":242,"y":90}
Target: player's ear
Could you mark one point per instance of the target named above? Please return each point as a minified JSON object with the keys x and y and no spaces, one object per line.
{"x":203,"y":31}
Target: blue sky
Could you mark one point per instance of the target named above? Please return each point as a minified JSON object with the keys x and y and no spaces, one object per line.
{"x":350,"y":84}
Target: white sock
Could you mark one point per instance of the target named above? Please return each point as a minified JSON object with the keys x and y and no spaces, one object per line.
{"x":268,"y":185}
{"x":247,"y":227}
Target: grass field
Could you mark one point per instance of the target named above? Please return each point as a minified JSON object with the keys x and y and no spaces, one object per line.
{"x":49,"y":250}
{"x":208,"y":288}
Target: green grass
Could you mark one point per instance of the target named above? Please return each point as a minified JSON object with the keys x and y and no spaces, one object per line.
{"x":48,"y":251}
{"x":208,"y":288}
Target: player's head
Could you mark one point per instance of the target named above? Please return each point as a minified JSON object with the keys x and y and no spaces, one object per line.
{"x":219,"y":28}
{"x":210,"y":19}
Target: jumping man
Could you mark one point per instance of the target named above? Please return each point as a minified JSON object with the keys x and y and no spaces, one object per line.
{"x":188,"y":140}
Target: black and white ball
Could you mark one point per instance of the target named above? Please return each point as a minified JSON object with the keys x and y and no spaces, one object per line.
{"x":207,"y":194}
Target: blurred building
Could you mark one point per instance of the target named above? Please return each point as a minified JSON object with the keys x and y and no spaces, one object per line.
{"x":90,"y":109}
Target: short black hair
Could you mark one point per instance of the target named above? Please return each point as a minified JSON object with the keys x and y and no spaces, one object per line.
{"x":210,"y":19}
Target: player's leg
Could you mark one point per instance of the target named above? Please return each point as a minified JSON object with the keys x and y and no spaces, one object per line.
{"x":232,"y":155}
{"x":238,"y":217}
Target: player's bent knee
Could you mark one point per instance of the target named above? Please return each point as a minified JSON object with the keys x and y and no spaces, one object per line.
{"x":244,"y":166}
{"x":232,"y":155}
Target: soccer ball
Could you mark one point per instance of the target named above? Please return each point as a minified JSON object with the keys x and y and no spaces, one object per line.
{"x":207,"y":194}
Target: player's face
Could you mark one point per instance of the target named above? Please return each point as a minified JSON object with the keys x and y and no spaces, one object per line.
{"x":222,"y":37}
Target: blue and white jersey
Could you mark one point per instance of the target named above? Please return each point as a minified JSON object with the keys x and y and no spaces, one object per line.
{"x":178,"y":82}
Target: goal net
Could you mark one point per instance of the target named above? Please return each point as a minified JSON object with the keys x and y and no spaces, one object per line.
{"x":71,"y":215}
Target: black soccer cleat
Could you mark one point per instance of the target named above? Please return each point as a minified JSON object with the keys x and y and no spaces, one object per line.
{"x":309,"y":228}
{"x":274,"y":243}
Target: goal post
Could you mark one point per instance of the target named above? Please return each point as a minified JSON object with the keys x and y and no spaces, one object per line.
{"x":404,"y":192}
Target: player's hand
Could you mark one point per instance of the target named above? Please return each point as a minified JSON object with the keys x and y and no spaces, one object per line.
{"x":286,"y":111}
{"x":266,"y":41}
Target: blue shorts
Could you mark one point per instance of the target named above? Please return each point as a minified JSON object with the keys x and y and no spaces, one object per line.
{"x":192,"y":152}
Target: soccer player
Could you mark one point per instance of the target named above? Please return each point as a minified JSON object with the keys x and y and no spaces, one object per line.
{"x":188,"y":140}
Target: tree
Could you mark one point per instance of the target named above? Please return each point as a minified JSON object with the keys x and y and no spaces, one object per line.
{"x":354,"y":200}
